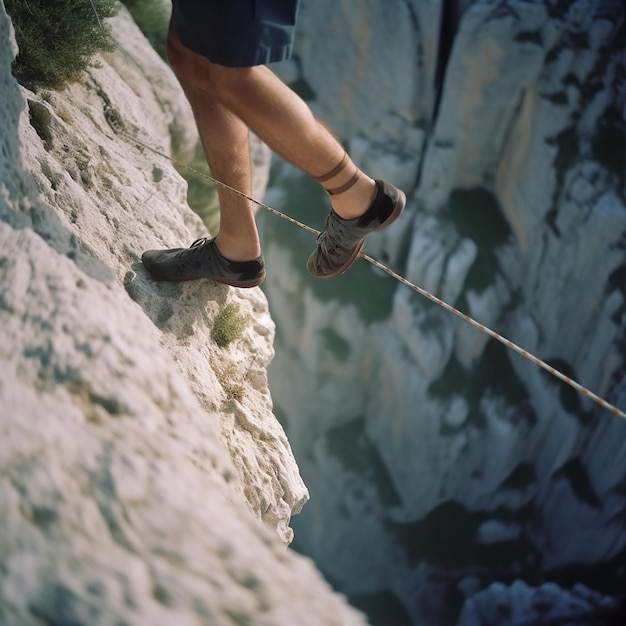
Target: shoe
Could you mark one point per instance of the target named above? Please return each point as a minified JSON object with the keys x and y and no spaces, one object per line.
{"x":203,"y":260}
{"x":339,"y":244}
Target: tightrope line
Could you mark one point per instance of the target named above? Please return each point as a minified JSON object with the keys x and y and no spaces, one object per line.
{"x":509,"y":344}
{"x":481,"y":327}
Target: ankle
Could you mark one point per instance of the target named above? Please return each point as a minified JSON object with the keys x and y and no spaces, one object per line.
{"x":237,"y":249}
{"x":351,"y":191}
{"x":356,"y":201}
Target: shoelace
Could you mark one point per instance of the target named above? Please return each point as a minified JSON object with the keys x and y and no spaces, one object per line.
{"x":194,"y":248}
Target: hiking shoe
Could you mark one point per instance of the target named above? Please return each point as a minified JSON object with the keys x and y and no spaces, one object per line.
{"x":339,"y":244}
{"x":203,"y":260}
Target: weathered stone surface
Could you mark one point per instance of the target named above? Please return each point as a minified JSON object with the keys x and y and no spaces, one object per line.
{"x":518,"y":218}
{"x":137,"y":456}
{"x":548,"y":605}
{"x":117,"y":198}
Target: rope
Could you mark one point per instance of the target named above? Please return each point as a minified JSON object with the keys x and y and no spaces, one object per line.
{"x":509,"y":344}
{"x":481,"y":327}
{"x":93,"y":7}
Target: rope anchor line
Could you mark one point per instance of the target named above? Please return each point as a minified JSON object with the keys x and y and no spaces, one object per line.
{"x":423,"y":292}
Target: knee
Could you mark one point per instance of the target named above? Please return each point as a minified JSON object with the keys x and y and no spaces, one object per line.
{"x":197,"y":73}
{"x":230,"y":83}
{"x":194,"y":72}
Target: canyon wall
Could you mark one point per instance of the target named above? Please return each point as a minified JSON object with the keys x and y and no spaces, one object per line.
{"x":439,"y":462}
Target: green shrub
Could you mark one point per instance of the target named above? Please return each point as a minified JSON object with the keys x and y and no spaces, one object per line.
{"x":153,"y":19}
{"x":58,"y":38}
{"x":229,"y":325}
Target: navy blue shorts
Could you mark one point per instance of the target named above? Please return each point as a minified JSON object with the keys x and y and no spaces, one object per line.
{"x":237,"y":33}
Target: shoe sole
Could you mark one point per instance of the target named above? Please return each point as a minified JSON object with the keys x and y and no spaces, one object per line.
{"x":223,"y":281}
{"x":397,"y":211}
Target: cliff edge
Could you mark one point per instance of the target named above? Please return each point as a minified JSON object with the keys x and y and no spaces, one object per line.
{"x":138,"y":456}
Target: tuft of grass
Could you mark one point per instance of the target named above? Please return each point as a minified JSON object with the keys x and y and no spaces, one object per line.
{"x":230,"y":378}
{"x":57,"y":40}
{"x":229,"y":325}
{"x":233,"y":386}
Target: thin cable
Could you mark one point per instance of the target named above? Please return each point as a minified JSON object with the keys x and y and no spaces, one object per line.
{"x":509,"y":344}
{"x":485,"y":329}
{"x":93,"y":6}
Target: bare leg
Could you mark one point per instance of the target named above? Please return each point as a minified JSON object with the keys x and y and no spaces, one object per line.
{"x":286,"y":124}
{"x":226,"y":100}
{"x":225,"y":138}
{"x":227,"y":103}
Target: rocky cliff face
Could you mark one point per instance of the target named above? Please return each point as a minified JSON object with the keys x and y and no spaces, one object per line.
{"x":439,"y":463}
{"x":138,"y":457}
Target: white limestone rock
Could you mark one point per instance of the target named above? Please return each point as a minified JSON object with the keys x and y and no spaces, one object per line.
{"x":138,"y":458}
{"x":117,"y":199}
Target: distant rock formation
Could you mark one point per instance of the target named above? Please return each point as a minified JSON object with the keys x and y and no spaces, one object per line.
{"x":433,"y":454}
{"x":137,"y":456}
{"x":548,"y":604}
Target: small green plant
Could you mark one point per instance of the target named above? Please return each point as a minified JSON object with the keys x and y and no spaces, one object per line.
{"x":229,"y":325}
{"x":152,"y":18}
{"x":58,"y":39}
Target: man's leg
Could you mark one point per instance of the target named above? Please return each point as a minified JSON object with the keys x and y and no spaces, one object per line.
{"x":225,"y":138}
{"x":227,"y":102}
{"x":286,"y":124}
{"x":275,"y":113}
